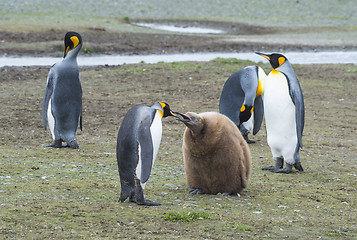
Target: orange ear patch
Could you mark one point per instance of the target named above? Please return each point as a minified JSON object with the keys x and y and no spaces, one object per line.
{"x":75,"y":41}
{"x":281,"y":61}
{"x":242,"y":108}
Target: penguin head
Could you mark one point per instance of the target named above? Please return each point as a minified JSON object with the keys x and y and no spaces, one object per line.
{"x":275,"y":59}
{"x":164,"y":109}
{"x":71,"y":41}
{"x":192,"y":120}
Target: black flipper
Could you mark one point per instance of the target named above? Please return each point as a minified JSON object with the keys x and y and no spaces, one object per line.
{"x":298,"y":100}
{"x":258,"y":114}
{"x":146,"y":148}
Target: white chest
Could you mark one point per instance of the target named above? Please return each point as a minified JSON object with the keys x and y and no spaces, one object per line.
{"x":156,"y":133}
{"x":279,"y":110}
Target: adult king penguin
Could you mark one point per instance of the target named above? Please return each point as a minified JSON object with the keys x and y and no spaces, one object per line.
{"x":284,"y":114}
{"x":62,"y":103}
{"x":241,"y":96}
{"x":138,"y":143}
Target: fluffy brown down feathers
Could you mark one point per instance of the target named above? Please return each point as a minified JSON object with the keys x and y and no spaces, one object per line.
{"x":217,"y":158}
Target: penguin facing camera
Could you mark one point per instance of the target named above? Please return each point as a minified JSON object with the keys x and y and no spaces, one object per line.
{"x":138,"y":143}
{"x":241,"y":96}
{"x":284,"y":113}
{"x":62,"y":101}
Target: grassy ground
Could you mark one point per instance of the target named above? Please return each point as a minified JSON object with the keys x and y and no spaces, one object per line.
{"x":65,"y":193}
{"x":107,"y":13}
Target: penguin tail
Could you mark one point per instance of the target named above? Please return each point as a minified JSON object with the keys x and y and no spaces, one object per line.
{"x":298,"y":166}
{"x":71,"y":142}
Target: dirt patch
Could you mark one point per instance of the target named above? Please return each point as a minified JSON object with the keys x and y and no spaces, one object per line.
{"x":101,"y":41}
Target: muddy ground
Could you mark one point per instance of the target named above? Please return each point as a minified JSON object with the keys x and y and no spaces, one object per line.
{"x":238,"y":37}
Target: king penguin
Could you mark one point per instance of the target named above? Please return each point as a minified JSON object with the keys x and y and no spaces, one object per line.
{"x":241,"y":99}
{"x":284,"y":113}
{"x":62,"y":102}
{"x":138,"y":143}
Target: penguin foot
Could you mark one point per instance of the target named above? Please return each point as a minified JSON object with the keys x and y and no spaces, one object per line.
{"x":269,"y":168}
{"x":148,"y":203}
{"x":195,"y":191}
{"x":281,"y":170}
{"x":56,"y":144}
{"x":279,"y":163}
{"x":73,"y":144}
{"x":245,"y":136}
{"x":144,"y":202}
{"x":298,"y":167}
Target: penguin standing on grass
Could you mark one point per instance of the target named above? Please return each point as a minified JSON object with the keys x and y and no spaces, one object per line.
{"x":138,"y":143}
{"x":284,"y":114}
{"x":241,"y":96}
{"x":62,"y":102}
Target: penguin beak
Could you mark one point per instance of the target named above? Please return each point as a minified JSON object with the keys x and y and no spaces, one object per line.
{"x":185,"y":118}
{"x":263,"y":55}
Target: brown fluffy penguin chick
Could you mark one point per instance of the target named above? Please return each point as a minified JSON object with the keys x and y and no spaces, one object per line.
{"x":216,"y":156}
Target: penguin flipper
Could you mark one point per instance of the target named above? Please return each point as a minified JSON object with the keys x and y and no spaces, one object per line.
{"x":80,"y":114}
{"x":80,"y":121}
{"x":146,"y":149}
{"x":232,"y":98}
{"x":298,"y":100}
{"x":258,"y":114}
{"x":300,"y":119}
{"x":46,"y":98}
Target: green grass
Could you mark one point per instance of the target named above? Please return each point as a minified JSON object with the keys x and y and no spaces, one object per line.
{"x":186,"y":215}
{"x":230,"y":61}
{"x":238,"y":227}
{"x":336,"y":233}
{"x":352,"y":70}
{"x":87,"y":49}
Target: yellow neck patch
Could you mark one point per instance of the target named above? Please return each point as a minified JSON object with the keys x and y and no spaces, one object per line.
{"x":274,"y":71}
{"x":259,"y":89}
{"x":163,"y":105}
{"x":75,"y":41}
{"x":251,"y":110}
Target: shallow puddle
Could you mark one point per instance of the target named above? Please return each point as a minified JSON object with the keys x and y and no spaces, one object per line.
{"x":294,"y":58}
{"x":180,"y":29}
